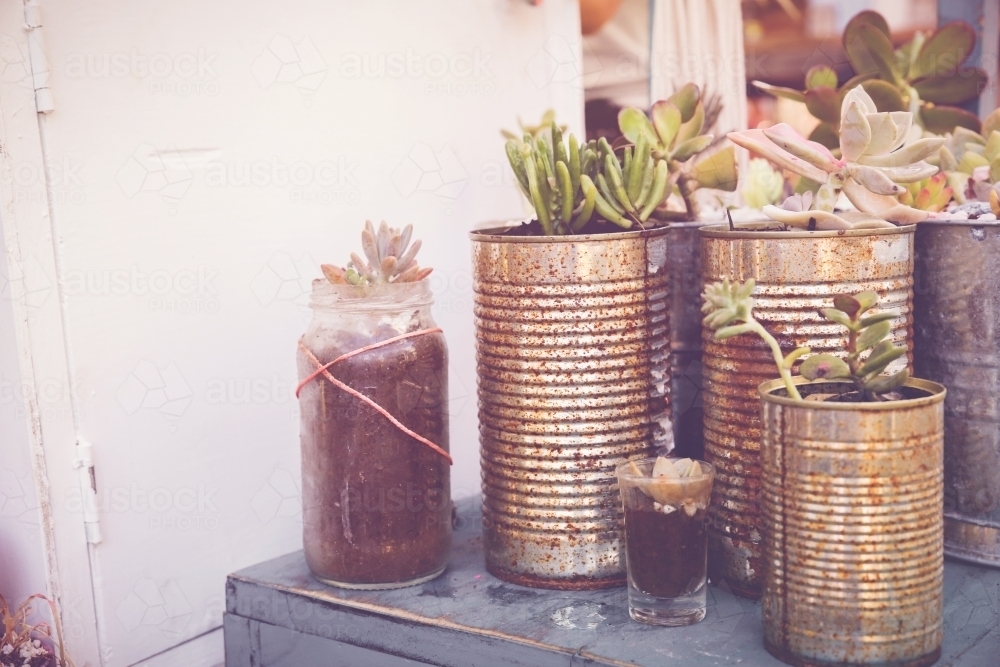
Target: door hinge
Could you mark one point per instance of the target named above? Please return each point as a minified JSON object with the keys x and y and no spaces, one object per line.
{"x":84,"y":465}
{"x":36,"y":56}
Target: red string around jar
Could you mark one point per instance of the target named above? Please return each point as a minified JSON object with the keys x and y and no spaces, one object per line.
{"x":322,"y":369}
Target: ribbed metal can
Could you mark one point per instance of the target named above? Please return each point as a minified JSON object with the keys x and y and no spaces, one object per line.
{"x":797,"y":273}
{"x":573,"y":364}
{"x":851,"y":500}
{"x":957,"y":343}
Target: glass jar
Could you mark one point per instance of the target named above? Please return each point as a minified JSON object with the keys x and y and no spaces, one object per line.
{"x":376,"y":501}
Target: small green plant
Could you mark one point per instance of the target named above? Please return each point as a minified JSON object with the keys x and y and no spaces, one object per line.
{"x":924,"y":76}
{"x":535,"y":131}
{"x":675,"y":133}
{"x":764,"y":184}
{"x":931,"y":194}
{"x":729,"y":311}
{"x":391,"y":259}
{"x":875,"y":159}
{"x":972,"y":161}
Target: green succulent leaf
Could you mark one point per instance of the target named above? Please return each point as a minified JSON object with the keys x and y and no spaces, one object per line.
{"x":867,"y":300}
{"x":944,"y":51}
{"x":667,"y":120}
{"x":779,"y":91}
{"x":959,"y":87}
{"x":821,"y":75}
{"x":691,"y":128}
{"x":944,"y":119}
{"x":686,"y":100}
{"x":880,"y":317}
{"x":877,"y":363}
{"x":854,"y":45}
{"x":691,"y":147}
{"x":826,"y":135}
{"x":885,"y":95}
{"x":991,"y":123}
{"x":823,"y":102}
{"x":848,"y":304}
{"x":658,"y":190}
{"x":839,"y":317}
{"x":717,"y":171}
{"x":872,"y":48}
{"x":632,"y":122}
{"x":873,"y":335}
{"x":883,"y":384}
{"x":824,"y":366}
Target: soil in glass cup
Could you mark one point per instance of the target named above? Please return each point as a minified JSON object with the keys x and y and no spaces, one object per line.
{"x":666,"y":547}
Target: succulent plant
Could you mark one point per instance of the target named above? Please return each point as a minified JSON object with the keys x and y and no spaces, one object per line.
{"x":931,"y":194}
{"x":764,"y":185}
{"x":536,"y":131}
{"x":972,"y":160}
{"x":924,"y":76}
{"x":729,"y":311}
{"x":873,"y":163}
{"x":556,"y":179}
{"x":391,"y":259}
{"x":631,"y":191}
{"x":674,"y":132}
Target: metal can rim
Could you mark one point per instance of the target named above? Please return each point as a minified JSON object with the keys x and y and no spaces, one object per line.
{"x":750,"y":230}
{"x":938,"y":392}
{"x":497,"y":235}
{"x":959,"y":222}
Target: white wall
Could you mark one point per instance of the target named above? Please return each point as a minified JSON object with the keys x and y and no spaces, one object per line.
{"x":183,"y":285}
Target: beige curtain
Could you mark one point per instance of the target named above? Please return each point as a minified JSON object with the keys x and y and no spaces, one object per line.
{"x":700,"y":41}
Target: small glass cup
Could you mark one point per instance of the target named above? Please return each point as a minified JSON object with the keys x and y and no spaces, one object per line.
{"x":666,"y":546}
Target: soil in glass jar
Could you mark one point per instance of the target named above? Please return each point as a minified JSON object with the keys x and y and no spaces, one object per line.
{"x":666,"y":552}
{"x":376,"y":502}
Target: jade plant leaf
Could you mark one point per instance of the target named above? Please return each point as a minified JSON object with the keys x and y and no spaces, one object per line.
{"x":877,"y":363}
{"x":941,"y":120}
{"x":823,"y":102}
{"x":944,"y":51}
{"x":686,"y":99}
{"x":717,"y":171}
{"x":825,"y":134}
{"x":873,"y":335}
{"x":958,"y":87}
{"x":885,"y":95}
{"x":847,"y":304}
{"x":866,"y":300}
{"x":856,"y":51}
{"x":824,"y":366}
{"x":667,"y":121}
{"x":883,"y":384}
{"x":821,"y":75}
{"x":871,"y":47}
{"x":634,"y":122}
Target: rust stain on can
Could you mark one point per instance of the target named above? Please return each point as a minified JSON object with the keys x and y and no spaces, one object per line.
{"x":797,"y":273}
{"x":851,"y":499}
{"x":957,"y":343}
{"x":572,"y":356}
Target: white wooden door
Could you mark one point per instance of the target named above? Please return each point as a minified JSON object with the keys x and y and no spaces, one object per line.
{"x":202,"y":160}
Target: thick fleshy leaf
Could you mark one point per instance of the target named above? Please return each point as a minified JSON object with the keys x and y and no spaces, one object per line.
{"x":779,"y":91}
{"x":867,"y":299}
{"x":991,"y":123}
{"x":884,"y":95}
{"x":839,"y":317}
{"x":859,"y":60}
{"x":962,"y":86}
{"x":818,"y":219}
{"x":884,"y":384}
{"x":872,"y":49}
{"x":826,"y":198}
{"x":906,"y":155}
{"x":785,"y":136}
{"x":666,"y":121}
{"x":848,"y":304}
{"x":632,"y":122}
{"x":717,"y":171}
{"x":972,"y":160}
{"x":859,"y":96}
{"x":912,"y":173}
{"x":855,"y":133}
{"x":874,"y":334}
{"x":944,"y":51}
{"x":824,"y":366}
{"x":757,"y":141}
{"x":690,"y":147}
{"x":992,"y":149}
{"x":944,"y":119}
{"x":686,"y":99}
{"x":823,"y":103}
{"x":824,"y":134}
{"x":883,"y":133}
{"x":904,"y":123}
{"x":876,"y":181}
{"x":691,"y":128}
{"x":882,"y":206}
{"x":821,"y":75}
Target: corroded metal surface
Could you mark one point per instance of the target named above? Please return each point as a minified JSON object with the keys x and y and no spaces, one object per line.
{"x":851,"y":499}
{"x":957,"y":343}
{"x":797,"y":273}
{"x":573,"y":365}
{"x":684,"y":254}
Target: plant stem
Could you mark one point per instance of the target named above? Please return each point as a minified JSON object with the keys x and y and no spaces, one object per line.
{"x":779,"y":359}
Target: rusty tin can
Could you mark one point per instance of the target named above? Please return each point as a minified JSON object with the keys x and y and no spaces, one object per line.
{"x":684,"y":253}
{"x":573,"y":363}
{"x":851,"y":501}
{"x":957,"y":343}
{"x":797,"y":273}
